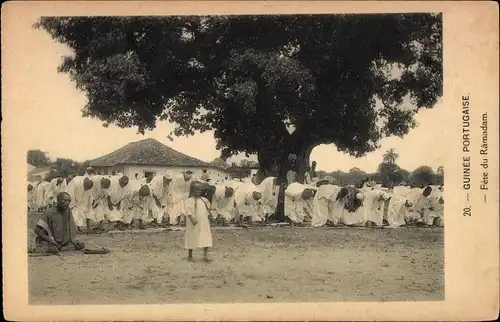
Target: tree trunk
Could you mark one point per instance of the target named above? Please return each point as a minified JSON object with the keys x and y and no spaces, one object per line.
{"x":302,"y":152}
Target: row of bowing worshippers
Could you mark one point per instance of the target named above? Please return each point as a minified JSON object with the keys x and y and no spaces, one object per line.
{"x":160,"y":200}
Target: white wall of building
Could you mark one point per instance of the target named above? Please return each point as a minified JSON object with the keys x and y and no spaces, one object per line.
{"x":142,"y":170}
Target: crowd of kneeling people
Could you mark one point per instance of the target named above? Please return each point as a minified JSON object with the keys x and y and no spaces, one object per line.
{"x":159,"y":201}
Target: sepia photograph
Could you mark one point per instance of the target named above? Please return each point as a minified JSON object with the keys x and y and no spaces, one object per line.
{"x":318,"y":207}
{"x":239,"y":158}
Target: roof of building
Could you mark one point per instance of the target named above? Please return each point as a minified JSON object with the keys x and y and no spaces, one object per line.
{"x":148,"y":152}
{"x":218,"y":162}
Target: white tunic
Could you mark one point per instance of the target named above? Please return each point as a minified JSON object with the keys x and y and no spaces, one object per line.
{"x":57,"y":188}
{"x":270,"y":192}
{"x":420,"y":203}
{"x":373,"y":205}
{"x":100,"y":202}
{"x":81,"y":200}
{"x":223,"y":206}
{"x":118,"y":196}
{"x":158,"y":190}
{"x":199,"y":235}
{"x":325,"y":205}
{"x":178,"y":192}
{"x":355,"y":218}
{"x":435,"y":207}
{"x":396,"y":212}
{"x":42,"y":195}
{"x":246,"y":205}
{"x":138,"y":207}
{"x":297,"y":208}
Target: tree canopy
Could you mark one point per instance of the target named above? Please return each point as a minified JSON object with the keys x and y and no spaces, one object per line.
{"x":38,"y":158}
{"x":422,"y":176}
{"x":270,"y":85}
{"x":390,"y":156}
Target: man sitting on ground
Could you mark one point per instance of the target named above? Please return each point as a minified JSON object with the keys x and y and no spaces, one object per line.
{"x":56,"y":230}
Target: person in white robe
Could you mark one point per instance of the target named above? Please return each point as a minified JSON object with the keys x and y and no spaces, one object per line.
{"x":179,"y":190}
{"x":434,"y":214}
{"x":57,"y":185}
{"x":353,"y":213}
{"x":247,"y":203}
{"x":89,"y":172}
{"x":42,"y":195}
{"x":223,"y":203}
{"x":198,"y":233}
{"x":270,"y":190}
{"x":159,"y":192}
{"x":129,"y":202}
{"x":298,"y":202}
{"x":326,"y":208}
{"x":101,"y":203}
{"x":420,"y":202}
{"x":80,"y":190}
{"x":138,"y":204}
{"x":374,"y":205}
{"x":119,"y":191}
{"x":396,"y":210}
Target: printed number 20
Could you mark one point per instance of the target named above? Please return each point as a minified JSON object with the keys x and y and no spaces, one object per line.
{"x":467,"y":211}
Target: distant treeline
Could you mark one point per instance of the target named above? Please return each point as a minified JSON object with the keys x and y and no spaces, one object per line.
{"x":388,"y":173}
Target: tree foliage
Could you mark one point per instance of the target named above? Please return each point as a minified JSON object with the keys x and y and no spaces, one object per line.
{"x":422,"y":176}
{"x":349,"y":80}
{"x":66,"y":167}
{"x":388,"y":173}
{"x":38,"y":158}
{"x":390,"y":156}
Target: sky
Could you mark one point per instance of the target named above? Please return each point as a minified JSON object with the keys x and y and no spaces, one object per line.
{"x":50,"y":107}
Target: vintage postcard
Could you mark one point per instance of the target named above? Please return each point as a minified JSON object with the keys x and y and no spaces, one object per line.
{"x":250,"y":160}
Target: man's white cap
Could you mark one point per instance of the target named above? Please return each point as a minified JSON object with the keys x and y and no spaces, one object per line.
{"x":360,"y":196}
{"x":168,"y":175}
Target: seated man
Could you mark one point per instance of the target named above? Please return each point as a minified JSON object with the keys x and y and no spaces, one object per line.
{"x":56,"y":229}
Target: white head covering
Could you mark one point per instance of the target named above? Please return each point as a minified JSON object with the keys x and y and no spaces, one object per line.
{"x":168,"y":175}
{"x":360,"y":196}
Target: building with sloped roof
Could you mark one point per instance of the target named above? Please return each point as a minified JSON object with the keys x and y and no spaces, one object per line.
{"x":148,"y":158}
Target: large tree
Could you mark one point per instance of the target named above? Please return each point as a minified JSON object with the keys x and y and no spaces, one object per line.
{"x":422,"y":176}
{"x":66,"y":167}
{"x":38,"y":158}
{"x":269,"y":85}
{"x":391,"y":173}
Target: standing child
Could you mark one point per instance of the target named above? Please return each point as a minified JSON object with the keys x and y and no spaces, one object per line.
{"x":198,"y":234}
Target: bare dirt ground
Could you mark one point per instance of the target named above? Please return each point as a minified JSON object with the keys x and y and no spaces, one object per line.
{"x":259,"y":264}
